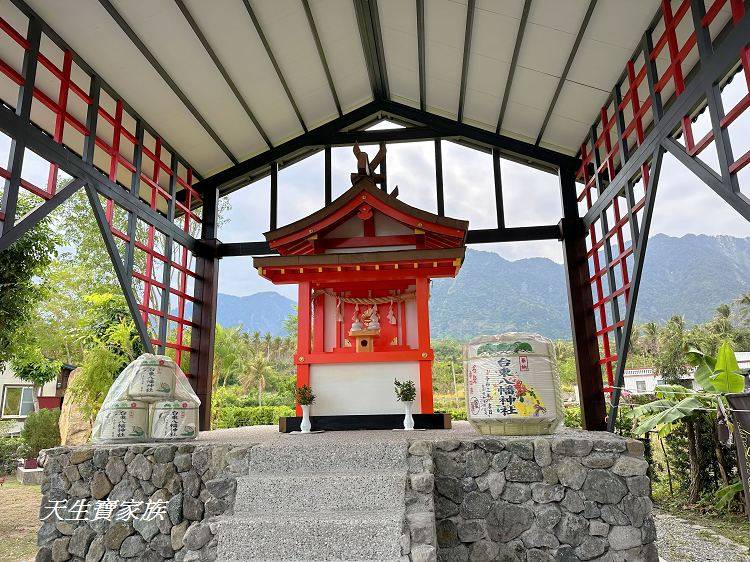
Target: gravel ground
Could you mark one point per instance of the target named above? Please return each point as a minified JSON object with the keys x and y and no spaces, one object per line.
{"x":269,"y":434}
{"x":682,"y":541}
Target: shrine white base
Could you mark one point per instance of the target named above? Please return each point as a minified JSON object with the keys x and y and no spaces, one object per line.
{"x":360,"y":388}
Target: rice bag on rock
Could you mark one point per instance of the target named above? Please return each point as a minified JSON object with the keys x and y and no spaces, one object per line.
{"x":152,"y":394}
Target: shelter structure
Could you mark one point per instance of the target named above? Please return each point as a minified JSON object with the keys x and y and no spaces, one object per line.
{"x":158,"y":109}
{"x":363,"y":265}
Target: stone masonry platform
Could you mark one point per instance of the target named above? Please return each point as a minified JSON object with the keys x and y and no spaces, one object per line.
{"x":255,"y":494}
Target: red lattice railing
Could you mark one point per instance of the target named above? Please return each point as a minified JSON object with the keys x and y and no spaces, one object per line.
{"x":138,"y":161}
{"x":659,"y":70}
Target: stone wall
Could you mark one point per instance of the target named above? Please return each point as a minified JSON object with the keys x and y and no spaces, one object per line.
{"x":197,"y":482}
{"x":573,"y":496}
{"x":419,"y":542}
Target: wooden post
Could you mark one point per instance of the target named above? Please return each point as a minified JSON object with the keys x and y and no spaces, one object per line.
{"x":303,"y":336}
{"x":423,"y":340}
{"x":581,"y":307}
{"x":204,"y":308}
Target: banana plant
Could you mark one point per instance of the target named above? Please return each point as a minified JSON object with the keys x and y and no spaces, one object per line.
{"x":725,"y":495}
{"x":716,"y":376}
{"x":720,"y":374}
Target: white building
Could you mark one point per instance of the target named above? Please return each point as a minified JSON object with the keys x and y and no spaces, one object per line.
{"x":640,"y":381}
{"x":17,"y":396}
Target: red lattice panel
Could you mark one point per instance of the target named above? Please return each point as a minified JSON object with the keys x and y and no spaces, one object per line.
{"x":605,"y":300}
{"x":674,"y":51}
{"x":695,"y":147}
{"x":117,"y":149}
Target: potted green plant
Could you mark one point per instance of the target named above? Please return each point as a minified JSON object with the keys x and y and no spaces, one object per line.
{"x":406,"y":392}
{"x":304,"y":396}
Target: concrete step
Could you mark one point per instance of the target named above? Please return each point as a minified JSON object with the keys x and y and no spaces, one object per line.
{"x":311,"y":535}
{"x":292,"y":491}
{"x":326,"y":457}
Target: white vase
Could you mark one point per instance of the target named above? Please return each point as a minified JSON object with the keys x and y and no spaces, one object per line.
{"x":408,"y":419}
{"x":305,"y":425}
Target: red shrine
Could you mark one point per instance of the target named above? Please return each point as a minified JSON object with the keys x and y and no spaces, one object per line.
{"x":363,"y":265}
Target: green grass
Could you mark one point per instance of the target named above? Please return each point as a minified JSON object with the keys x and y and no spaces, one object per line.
{"x":19,"y":523}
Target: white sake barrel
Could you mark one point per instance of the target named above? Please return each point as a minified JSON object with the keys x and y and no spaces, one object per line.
{"x":124,"y":421}
{"x":512,"y":385}
{"x":153,"y":380}
{"x":174,"y":420}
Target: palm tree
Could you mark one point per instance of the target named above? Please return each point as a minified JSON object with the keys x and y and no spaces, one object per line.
{"x":276,"y":346}
{"x":723,"y":311}
{"x":650,"y":336}
{"x":255,"y":341}
{"x":228,"y":354}
{"x":255,"y":373}
{"x":744,"y":305}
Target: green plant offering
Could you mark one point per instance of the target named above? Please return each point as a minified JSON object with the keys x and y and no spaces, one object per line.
{"x":405,"y":390}
{"x":40,"y":431}
{"x":303,"y":395}
{"x":504,"y":347}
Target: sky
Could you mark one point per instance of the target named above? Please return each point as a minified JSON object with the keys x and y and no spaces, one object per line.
{"x":684,"y":205}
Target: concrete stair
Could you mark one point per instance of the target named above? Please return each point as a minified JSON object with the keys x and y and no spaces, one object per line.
{"x":308,"y":501}
{"x":299,"y":491}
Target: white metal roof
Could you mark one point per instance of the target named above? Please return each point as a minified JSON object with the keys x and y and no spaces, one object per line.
{"x":614,"y":30}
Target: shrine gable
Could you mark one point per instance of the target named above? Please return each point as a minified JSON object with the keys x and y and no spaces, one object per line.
{"x":366,"y":218}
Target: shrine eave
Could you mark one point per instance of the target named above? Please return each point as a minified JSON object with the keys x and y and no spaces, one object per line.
{"x":364,"y":266}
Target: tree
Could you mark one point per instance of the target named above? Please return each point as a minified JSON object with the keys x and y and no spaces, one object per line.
{"x":31,"y":365}
{"x":230,"y":355}
{"x":677,"y":404}
{"x":650,"y":338}
{"x":111,"y":342}
{"x":670,"y":362}
{"x":255,"y":373}
{"x":21,"y":266}
{"x":290,"y":324}
{"x":744,"y":305}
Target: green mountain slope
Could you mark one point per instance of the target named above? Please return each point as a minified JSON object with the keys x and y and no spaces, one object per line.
{"x":691,"y":275}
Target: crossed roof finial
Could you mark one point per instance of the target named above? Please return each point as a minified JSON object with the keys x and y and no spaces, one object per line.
{"x":365,"y":167}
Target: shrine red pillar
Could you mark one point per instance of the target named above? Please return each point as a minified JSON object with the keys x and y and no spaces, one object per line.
{"x":423,"y":341}
{"x":303,"y":336}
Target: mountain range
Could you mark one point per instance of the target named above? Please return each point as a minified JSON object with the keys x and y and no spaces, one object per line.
{"x":690,"y":275}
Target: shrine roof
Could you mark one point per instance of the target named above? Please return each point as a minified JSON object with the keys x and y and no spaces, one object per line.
{"x":366,"y":191}
{"x":391,"y":256}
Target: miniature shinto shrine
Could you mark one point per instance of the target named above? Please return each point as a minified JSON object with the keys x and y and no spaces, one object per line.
{"x":363,"y":264}
{"x":158,"y":110}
